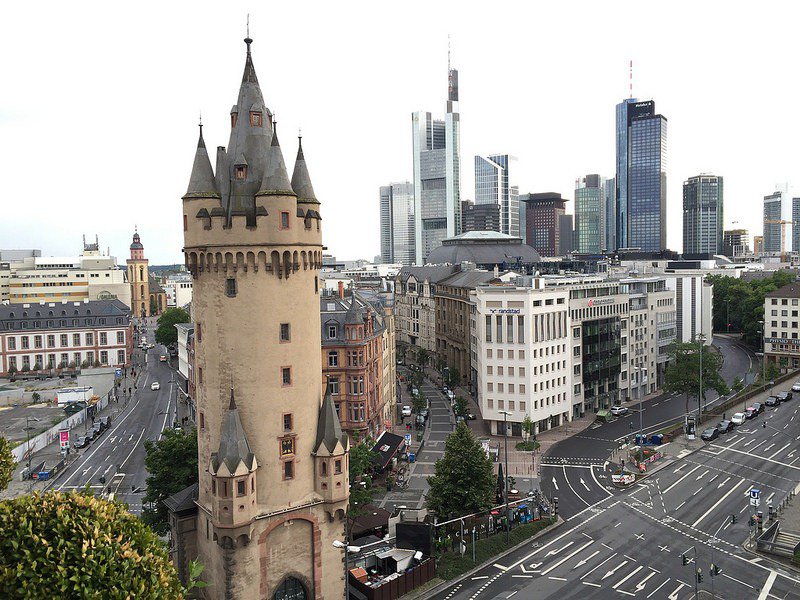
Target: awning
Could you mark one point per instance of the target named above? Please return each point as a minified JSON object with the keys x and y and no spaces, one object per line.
{"x":386,"y":447}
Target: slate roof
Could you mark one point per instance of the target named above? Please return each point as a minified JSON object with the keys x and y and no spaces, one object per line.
{"x":484,"y":248}
{"x":64,"y":315}
{"x":788,"y":291}
{"x":276,"y":179}
{"x":434,"y":274}
{"x":155,"y":287}
{"x":301,"y":181}
{"x":335,"y":311}
{"x":469,"y":279}
{"x":329,"y":430}
{"x":201,"y":181}
{"x":233,"y":445}
{"x":183,"y":500}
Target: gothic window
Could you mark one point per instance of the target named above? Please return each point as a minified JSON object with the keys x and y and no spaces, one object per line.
{"x":290,"y":589}
{"x":141,"y":276}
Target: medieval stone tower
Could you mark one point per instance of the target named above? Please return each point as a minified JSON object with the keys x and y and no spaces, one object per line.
{"x":273,"y":484}
{"x":139,"y":278}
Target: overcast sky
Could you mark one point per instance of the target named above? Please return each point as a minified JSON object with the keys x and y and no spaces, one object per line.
{"x":100,"y":102}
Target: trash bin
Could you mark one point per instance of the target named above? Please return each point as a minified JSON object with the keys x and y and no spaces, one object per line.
{"x":657,"y":439}
{"x":412,"y":457}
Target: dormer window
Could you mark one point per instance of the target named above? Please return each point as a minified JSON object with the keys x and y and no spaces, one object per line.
{"x":234,"y":117}
{"x":241,"y":172}
{"x":255,"y":119}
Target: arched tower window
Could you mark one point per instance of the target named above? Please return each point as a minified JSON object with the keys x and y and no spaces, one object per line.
{"x":141,"y":275}
{"x":142,"y":291}
{"x":290,"y":589}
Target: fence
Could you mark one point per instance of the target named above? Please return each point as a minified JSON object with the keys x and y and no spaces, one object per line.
{"x":400,"y":585}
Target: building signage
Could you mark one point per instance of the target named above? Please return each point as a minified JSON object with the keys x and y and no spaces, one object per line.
{"x":600,"y":301}
{"x":106,"y":296}
{"x":623,"y":478}
{"x":63,"y":437}
{"x":781,"y":341}
{"x":505,"y":311}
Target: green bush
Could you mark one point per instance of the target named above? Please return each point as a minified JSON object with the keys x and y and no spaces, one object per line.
{"x":6,"y":463}
{"x":528,"y":446}
{"x":78,"y":546}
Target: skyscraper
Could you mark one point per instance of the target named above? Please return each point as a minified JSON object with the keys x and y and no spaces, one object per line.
{"x":437,"y":174}
{"x":641,"y":196}
{"x":702,"y":215}
{"x":479,"y":217}
{"x":589,"y":214}
{"x":608,"y":238}
{"x":543,"y":225}
{"x":494,"y":185}
{"x":778,"y":215}
{"x":735,"y":242}
{"x":397,"y":223}
{"x":272,"y":458}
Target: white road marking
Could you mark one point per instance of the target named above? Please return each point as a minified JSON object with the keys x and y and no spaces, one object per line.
{"x":600,"y":565}
{"x":674,"y":594}
{"x":658,"y":588}
{"x":567,"y":557}
{"x":583,"y":561}
{"x":555,"y":484}
{"x":699,"y":477}
{"x":768,"y":447}
{"x":628,"y":576}
{"x":641,"y":585}
{"x":718,"y":502}
{"x":480,"y":577}
{"x":590,"y":583}
{"x":777,"y":462}
{"x":779,"y":451}
{"x":501,"y":567}
{"x":583,"y":483}
{"x":573,"y":489}
{"x":681,"y":479}
{"x":724,"y":482}
{"x":615,"y":569}
{"x":557,"y":578}
{"x":511,"y":594}
{"x":554,"y":552}
{"x":737,"y":580}
{"x":768,"y":585}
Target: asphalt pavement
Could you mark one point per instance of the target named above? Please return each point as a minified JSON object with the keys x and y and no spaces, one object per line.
{"x":630,"y":542}
{"x":118,"y":454}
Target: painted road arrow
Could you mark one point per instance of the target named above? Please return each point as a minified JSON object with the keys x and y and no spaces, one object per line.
{"x":674,"y":595}
{"x":585,"y":560}
{"x":552,"y":552}
{"x":555,"y":485}
{"x":583,"y":483}
{"x":723,"y":483}
{"x":643,"y":582}
{"x":614,"y":570}
{"x":678,"y":470}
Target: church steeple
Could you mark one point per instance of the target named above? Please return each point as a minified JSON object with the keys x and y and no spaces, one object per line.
{"x":301,"y":181}
{"x":201,"y":181}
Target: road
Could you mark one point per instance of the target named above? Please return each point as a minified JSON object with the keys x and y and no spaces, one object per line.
{"x":573,"y":469}
{"x":629,"y":543}
{"x":118,"y":454}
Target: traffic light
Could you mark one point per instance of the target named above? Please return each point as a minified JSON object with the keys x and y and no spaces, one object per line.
{"x":751,"y":522}
{"x":684,"y":560}
{"x":764,"y":424}
{"x":699,"y":575}
{"x":714,"y":570}
{"x":734,"y":518}
{"x":555,"y":506}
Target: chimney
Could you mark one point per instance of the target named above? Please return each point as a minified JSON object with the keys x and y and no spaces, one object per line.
{"x":496,"y":271}
{"x":341,"y":289}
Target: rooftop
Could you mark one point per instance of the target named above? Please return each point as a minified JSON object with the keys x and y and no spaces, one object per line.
{"x":788,"y":291}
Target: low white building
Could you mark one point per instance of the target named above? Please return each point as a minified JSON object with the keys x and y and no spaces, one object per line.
{"x":178,"y":289}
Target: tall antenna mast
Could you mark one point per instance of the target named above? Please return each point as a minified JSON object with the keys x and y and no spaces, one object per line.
{"x":248,"y":24}
{"x":448,"y":53}
{"x":630,"y":78}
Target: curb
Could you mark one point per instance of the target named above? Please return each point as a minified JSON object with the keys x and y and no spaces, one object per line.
{"x":450,"y":582}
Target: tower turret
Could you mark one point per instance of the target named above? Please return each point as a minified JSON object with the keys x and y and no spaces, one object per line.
{"x":301,"y":181}
{"x":330,"y":455}
{"x":201,"y":181}
{"x":276,"y":179}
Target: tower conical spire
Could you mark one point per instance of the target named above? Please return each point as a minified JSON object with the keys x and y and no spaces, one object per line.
{"x":301,"y":181}
{"x":201,"y":181}
{"x":276,"y":179}
{"x":329,"y":430}
{"x":233,"y":445}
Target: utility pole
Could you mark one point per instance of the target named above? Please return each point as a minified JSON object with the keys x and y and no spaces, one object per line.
{"x":505,"y":481}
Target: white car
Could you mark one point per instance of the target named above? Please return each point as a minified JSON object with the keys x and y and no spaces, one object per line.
{"x":796,"y":387}
{"x":738,"y":418}
{"x":406,"y":411}
{"x":155,"y":386}
{"x":618,"y":411}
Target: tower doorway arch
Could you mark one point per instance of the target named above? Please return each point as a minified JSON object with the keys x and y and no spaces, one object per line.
{"x":290,"y":588}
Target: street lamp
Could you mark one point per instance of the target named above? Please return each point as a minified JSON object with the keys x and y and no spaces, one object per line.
{"x":639,"y":369}
{"x":347,"y":551}
{"x":28,"y":439}
{"x":700,"y":338}
{"x":506,"y":414}
{"x":763,"y":357}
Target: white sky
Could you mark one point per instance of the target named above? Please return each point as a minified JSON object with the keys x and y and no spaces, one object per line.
{"x":99,"y":102}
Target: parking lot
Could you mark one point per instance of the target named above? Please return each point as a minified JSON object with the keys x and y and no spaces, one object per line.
{"x":40,"y":417}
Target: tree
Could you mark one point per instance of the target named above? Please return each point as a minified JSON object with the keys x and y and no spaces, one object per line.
{"x":12,"y":370}
{"x":527,"y":427}
{"x":464,"y":481}
{"x":441,"y":363}
{"x":6,"y":463}
{"x":737,"y":385}
{"x":36,"y":396}
{"x":453,"y":377}
{"x":172,"y":466}
{"x":423,"y":356}
{"x":166,"y":333}
{"x":362,"y":464}
{"x":153,"y":305}
{"x":683,"y":373}
{"x":461,"y":406}
{"x":418,"y":402}
{"x":71,"y":545}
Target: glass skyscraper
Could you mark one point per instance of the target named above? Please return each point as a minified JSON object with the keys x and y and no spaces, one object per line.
{"x":493,"y":186}
{"x":589,"y":214}
{"x":641,"y":179}
{"x":702,"y":215}
{"x":397,"y":223}
{"x":437,"y":175}
{"x":778,"y":221}
{"x":608,"y":237}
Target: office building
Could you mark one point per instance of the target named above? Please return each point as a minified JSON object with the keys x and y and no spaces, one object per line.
{"x":28,"y":277}
{"x":479,"y":217}
{"x":566,"y":234}
{"x":590,"y":217}
{"x":758,"y":245}
{"x":437,"y":174}
{"x":608,"y":237}
{"x":641,"y":181}
{"x":735,"y":242}
{"x":542,"y":225}
{"x":702,"y":215}
{"x":397,"y":223}
{"x":778,"y":234}
{"x":273,"y":482}
{"x":494,"y":185}
{"x":43,"y":336}
{"x":782,"y":327}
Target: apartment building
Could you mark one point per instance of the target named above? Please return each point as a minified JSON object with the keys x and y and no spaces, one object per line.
{"x":782,"y":326}
{"x":415,"y":305}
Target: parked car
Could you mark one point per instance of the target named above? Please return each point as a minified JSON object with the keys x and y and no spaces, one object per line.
{"x":784,"y":396}
{"x":406,"y":411}
{"x":98,"y":429}
{"x":725,"y":426}
{"x":105,"y":422}
{"x":796,"y":386}
{"x":758,"y":407}
{"x":155,"y":386}
{"x":163,"y":358}
{"x":451,"y":396}
{"x":772,"y":401}
{"x":81,"y":442}
{"x":424,"y":413}
{"x":709,"y":434}
{"x":750,"y":412}
{"x":469,"y":416}
{"x":618,"y":411}
{"x":738,"y":418}
{"x":89,"y":435}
